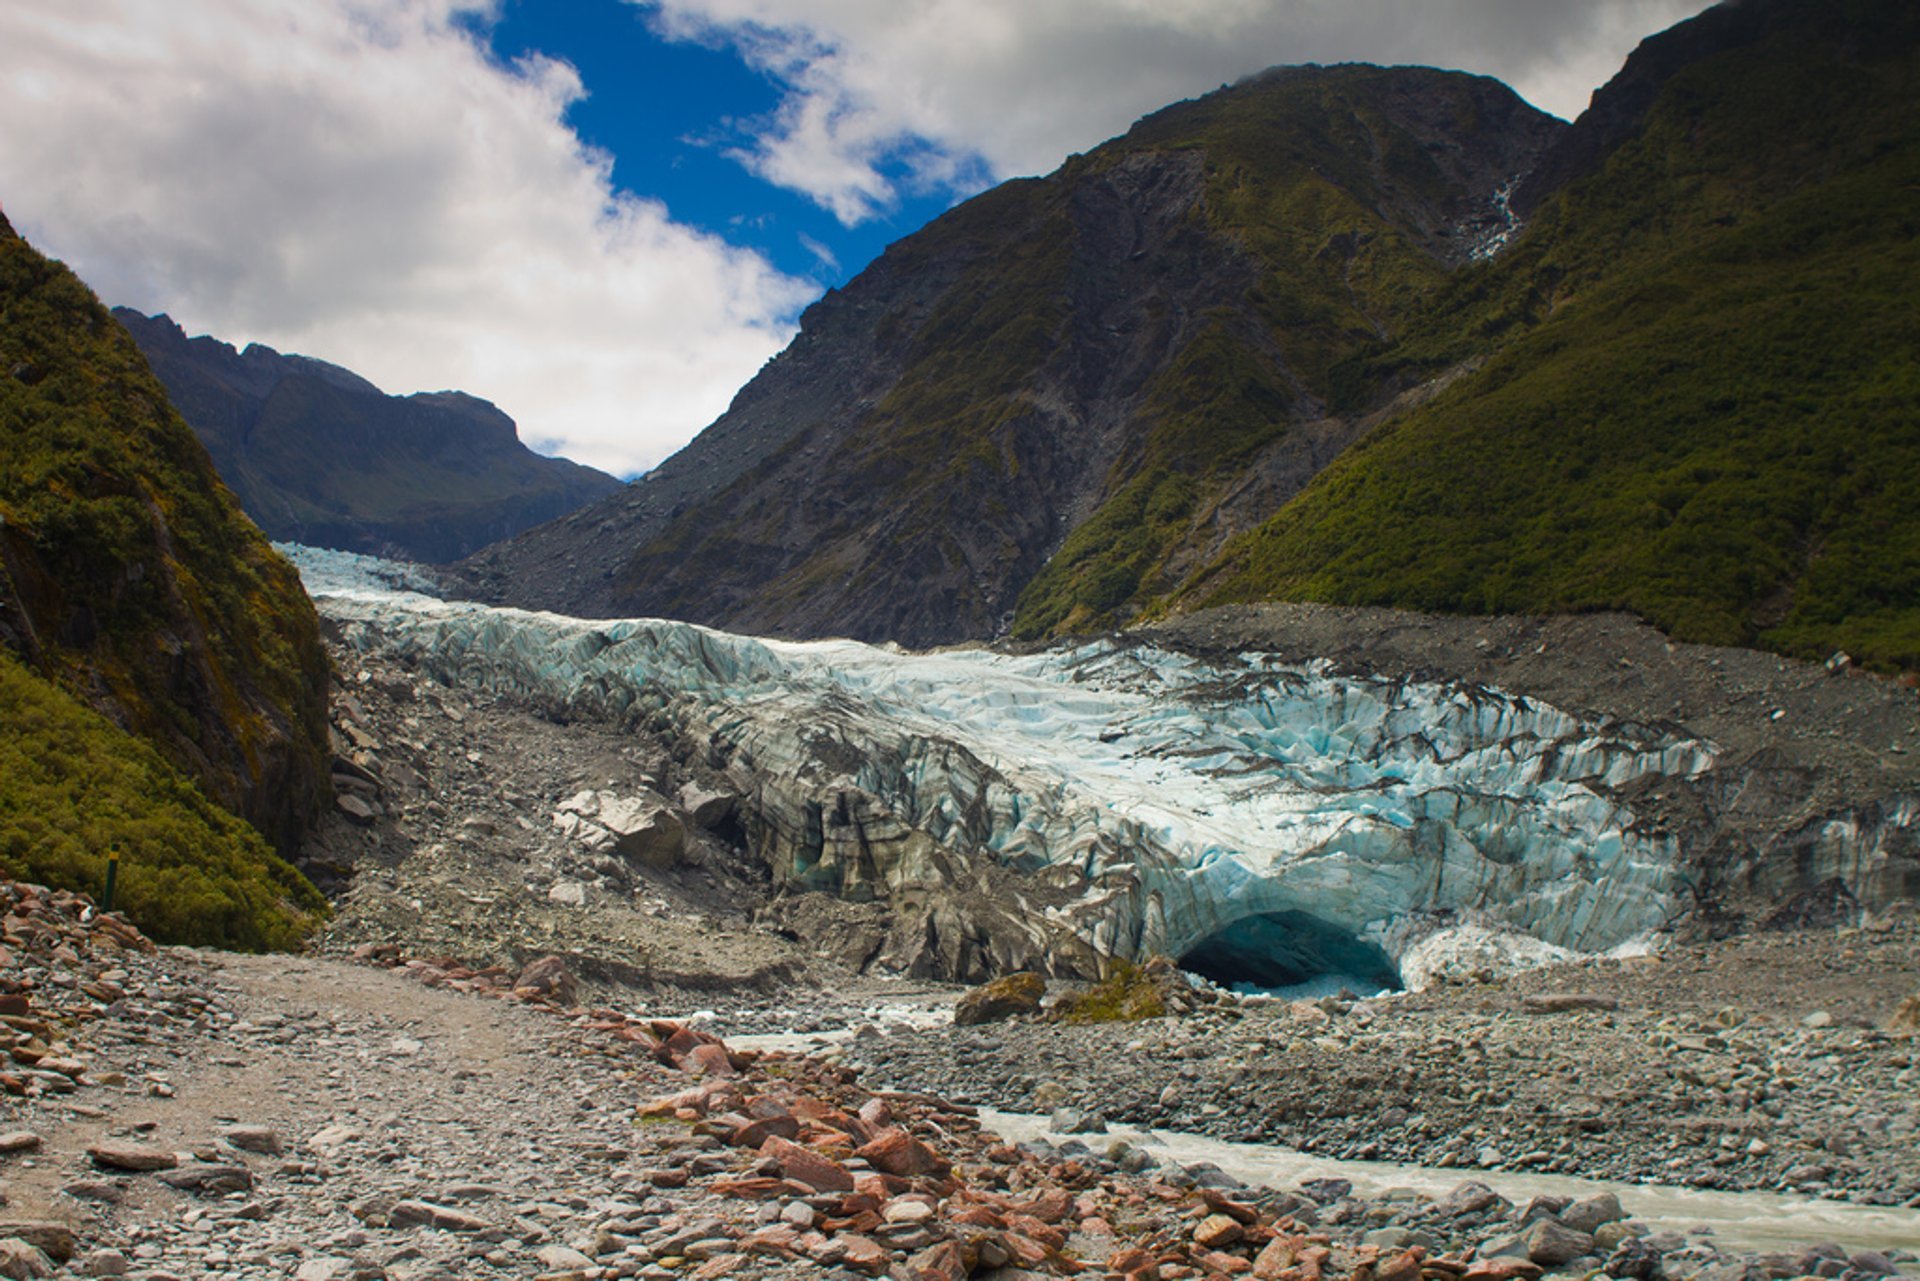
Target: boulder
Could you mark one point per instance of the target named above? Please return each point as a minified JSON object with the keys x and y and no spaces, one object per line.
{"x":644,"y":829}
{"x":1589,"y":1213}
{"x":1551,"y":1243}
{"x":706,"y":807}
{"x":20,"y":1259}
{"x":550,"y":977}
{"x":1906,"y":1019}
{"x":355,"y":809}
{"x":55,"y":1240}
{"x":1003,"y":998}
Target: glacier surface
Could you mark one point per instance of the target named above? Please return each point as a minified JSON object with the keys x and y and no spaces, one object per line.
{"x":1160,"y":799}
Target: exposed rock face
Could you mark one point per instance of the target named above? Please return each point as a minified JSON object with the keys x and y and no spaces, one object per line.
{"x":1058,"y":810}
{"x":319,"y":455}
{"x":1131,"y":323}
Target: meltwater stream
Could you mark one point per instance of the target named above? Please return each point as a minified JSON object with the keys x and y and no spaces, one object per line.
{"x":1758,"y":1221}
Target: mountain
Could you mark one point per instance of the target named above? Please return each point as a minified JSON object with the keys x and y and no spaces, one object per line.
{"x":156,"y":654}
{"x":1132,"y":357}
{"x":1659,"y":360}
{"x":1699,"y":397}
{"x":319,"y":455}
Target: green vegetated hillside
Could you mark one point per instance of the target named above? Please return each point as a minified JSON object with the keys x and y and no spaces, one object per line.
{"x":73,"y":786}
{"x":160,"y":656}
{"x":1701,"y":392}
{"x":318,"y":455}
{"x":1105,"y":352}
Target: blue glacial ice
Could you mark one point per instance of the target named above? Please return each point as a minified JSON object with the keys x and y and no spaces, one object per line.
{"x":1171,"y":796}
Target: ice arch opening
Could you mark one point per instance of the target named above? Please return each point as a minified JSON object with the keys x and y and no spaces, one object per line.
{"x":1293,"y":952}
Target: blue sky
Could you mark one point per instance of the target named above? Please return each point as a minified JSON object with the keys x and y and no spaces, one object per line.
{"x":606,"y":215}
{"x":670,"y":111}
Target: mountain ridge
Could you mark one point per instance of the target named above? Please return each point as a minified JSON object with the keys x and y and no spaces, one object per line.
{"x":318,"y":454}
{"x":1006,"y":369}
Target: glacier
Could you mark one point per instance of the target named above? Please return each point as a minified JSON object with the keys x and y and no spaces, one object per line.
{"x":1063,"y":809}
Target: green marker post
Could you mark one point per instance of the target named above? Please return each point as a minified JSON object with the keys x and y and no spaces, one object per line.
{"x":113,"y":874}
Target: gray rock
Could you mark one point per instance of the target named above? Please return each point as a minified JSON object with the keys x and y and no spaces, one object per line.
{"x":263,"y":1139}
{"x":707,"y":808}
{"x":1588,"y":1214}
{"x":645,"y":829}
{"x":20,"y":1259}
{"x":105,"y":1263}
{"x":55,"y":1240}
{"x":355,"y":809}
{"x":409,"y":1213}
{"x":1469,"y":1198}
{"x":1075,"y":1121}
{"x":209,"y":1179}
{"x":1608,"y":1236}
{"x":1551,"y":1244}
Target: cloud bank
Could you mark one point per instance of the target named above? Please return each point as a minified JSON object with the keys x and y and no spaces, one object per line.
{"x":359,"y":180}
{"x":882,"y":94}
{"x":356,"y":180}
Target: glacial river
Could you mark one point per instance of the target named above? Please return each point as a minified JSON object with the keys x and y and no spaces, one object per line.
{"x":1748,"y":1220}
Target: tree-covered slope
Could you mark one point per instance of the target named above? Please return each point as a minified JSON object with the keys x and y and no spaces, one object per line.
{"x":131,"y":583}
{"x":1701,"y":392}
{"x":319,"y":455}
{"x":1116,"y":346}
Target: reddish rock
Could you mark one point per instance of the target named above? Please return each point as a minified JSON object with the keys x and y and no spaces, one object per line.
{"x":1220,"y":1203}
{"x":1404,"y":1266}
{"x":718,"y":1267}
{"x":115,"y":1155}
{"x":1050,"y":1206}
{"x":1502,"y":1269}
{"x":1276,"y":1260}
{"x":876,"y":1113}
{"x":707,"y":1060}
{"x":898,"y":1153}
{"x":941,"y":1262}
{"x":807,"y":1166}
{"x":753,"y":1133}
{"x":1216,"y":1263}
{"x":551,"y":979}
{"x":863,"y":1254}
{"x":1217,"y":1230}
{"x":751,"y":1189}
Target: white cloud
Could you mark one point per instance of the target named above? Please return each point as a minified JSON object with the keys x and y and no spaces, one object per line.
{"x":955,"y":91}
{"x":355,"y":180}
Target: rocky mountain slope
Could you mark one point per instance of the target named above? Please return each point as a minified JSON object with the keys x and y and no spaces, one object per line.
{"x":148,"y":636}
{"x":1703,"y":407}
{"x":319,"y":455}
{"x":1682,"y":387}
{"x":1145,"y":336}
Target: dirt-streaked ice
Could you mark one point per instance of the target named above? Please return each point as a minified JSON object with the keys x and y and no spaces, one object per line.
{"x":1181,"y":795}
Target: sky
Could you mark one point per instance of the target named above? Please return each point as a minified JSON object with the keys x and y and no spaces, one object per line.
{"x":606,"y":215}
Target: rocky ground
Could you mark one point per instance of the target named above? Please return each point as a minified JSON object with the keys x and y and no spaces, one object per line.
{"x":376,"y":1109}
{"x":178,"y":1114}
{"x":1761,"y":1062}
